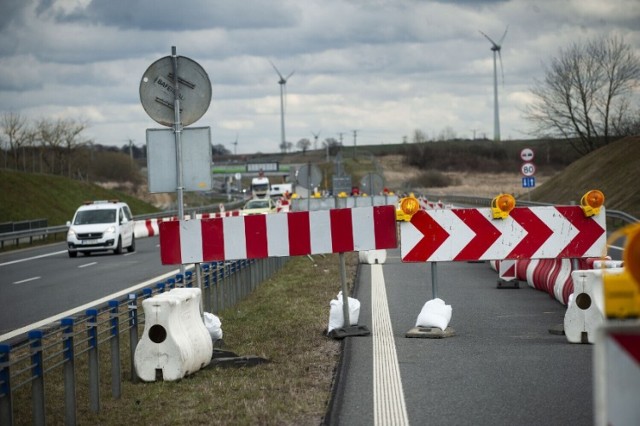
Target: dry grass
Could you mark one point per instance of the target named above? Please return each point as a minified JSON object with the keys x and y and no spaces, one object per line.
{"x":284,"y":321}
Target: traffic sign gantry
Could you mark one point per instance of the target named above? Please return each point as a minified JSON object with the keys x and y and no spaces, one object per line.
{"x":527,"y":233}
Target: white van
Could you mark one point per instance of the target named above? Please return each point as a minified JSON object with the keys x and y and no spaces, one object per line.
{"x":101,"y":226}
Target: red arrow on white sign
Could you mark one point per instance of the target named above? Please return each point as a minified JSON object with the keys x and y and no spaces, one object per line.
{"x":527,"y":233}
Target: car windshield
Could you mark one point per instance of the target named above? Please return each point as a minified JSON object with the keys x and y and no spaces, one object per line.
{"x":257,"y":204}
{"x":88,"y":217}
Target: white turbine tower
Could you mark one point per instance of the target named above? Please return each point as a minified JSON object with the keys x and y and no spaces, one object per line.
{"x":283,"y":83}
{"x":496,"y":48}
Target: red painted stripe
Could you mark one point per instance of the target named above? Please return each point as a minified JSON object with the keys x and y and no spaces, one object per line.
{"x":212,"y":239}
{"x":588,"y":231}
{"x":149,"y":226}
{"x":486,"y":234}
{"x":170,"y":243}
{"x":537,"y":233}
{"x":434,"y":236}
{"x":384,"y":226}
{"x":341,"y":230}
{"x":299,"y":234}
{"x":255,"y":231}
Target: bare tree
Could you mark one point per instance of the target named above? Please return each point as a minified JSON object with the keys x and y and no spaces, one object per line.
{"x":18,"y":135}
{"x":60,"y":139}
{"x":585,"y":96}
{"x":303,"y":145}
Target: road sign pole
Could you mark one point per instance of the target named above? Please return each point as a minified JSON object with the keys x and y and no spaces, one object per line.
{"x":177,"y":128}
{"x":434,"y":279}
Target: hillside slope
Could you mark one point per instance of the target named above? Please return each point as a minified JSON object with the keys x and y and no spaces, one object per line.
{"x":28,"y":196}
{"x":613,"y":169}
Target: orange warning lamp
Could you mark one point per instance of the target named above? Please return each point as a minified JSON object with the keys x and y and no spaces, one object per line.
{"x":502,"y":205}
{"x":408,"y":207}
{"x":622,"y":290}
{"x":591,"y":202}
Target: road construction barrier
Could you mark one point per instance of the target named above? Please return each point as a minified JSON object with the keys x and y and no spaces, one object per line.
{"x":175,"y":341}
{"x":585,"y":311}
{"x":371,"y":257}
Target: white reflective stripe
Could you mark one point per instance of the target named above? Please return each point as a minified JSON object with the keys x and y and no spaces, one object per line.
{"x":388,"y":397}
{"x":320,"y":231}
{"x":190,"y":241}
{"x":235,"y":244}
{"x":364,"y":234}
{"x":277,"y":235}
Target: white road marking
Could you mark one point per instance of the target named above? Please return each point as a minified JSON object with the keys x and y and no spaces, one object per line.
{"x":27,"y":280}
{"x":388,"y":396}
{"x":32,"y":258}
{"x":87,"y":264}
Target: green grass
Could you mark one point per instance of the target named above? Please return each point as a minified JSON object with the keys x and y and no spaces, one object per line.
{"x":28,"y":196}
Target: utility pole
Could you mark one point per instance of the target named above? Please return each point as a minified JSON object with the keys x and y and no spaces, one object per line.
{"x":340,"y":134}
{"x":355,"y":134}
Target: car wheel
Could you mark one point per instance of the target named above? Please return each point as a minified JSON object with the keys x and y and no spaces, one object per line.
{"x":73,"y":253}
{"x":118,"y":249}
{"x":132,"y":247}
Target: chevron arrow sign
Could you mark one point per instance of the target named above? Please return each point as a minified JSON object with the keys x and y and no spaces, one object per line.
{"x":547,"y":232}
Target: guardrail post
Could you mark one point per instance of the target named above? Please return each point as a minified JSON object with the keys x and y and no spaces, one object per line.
{"x":161,"y":286}
{"x":69,"y":371}
{"x":94,"y":365}
{"x":6,"y":404}
{"x":133,"y":333}
{"x":114,"y":320}
{"x":37,"y":372}
{"x":179,"y":281}
{"x":188,"y":281}
{"x":216,"y":287}
{"x":206,"y":287}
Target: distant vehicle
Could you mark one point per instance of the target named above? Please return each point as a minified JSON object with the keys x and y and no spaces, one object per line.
{"x":101,"y":226}
{"x":280,"y":189}
{"x":259,"y":206}
{"x":260,"y":187}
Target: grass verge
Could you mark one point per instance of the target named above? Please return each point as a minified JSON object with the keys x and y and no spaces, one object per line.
{"x":284,"y":320}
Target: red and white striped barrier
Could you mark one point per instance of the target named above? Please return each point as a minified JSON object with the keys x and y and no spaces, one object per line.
{"x":150,"y":227}
{"x":278,"y":234}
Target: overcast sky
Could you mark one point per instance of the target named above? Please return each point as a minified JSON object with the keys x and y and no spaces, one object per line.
{"x":381,"y":67}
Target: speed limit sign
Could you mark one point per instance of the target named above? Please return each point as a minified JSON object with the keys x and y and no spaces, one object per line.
{"x":528,"y":169}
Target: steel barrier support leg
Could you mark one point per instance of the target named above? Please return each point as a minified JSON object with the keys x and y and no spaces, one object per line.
{"x":434,"y":279}
{"x":133,"y":333}
{"x":69,"y":372}
{"x":114,"y":320}
{"x":206,"y":291}
{"x":6,"y":404}
{"x":37,"y":372}
{"x":94,"y":365}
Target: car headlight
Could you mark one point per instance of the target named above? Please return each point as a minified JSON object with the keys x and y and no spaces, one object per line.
{"x":110,"y":230}
{"x":71,"y":233}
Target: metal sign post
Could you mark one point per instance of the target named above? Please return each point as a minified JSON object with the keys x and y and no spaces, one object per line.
{"x":177,"y":129}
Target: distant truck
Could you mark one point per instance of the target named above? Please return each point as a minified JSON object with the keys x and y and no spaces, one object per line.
{"x":260,"y":187}
{"x":280,"y":189}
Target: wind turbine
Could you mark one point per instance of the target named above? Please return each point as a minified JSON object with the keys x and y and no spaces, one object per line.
{"x":283,"y":83}
{"x":235,"y":146}
{"x":496,"y":48}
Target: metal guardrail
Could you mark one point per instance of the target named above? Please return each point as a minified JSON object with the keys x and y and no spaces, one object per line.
{"x":78,"y":345}
{"x":41,"y":233}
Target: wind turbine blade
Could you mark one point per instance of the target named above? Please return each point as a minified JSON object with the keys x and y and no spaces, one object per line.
{"x":274,"y":67}
{"x":504,"y":35}
{"x":290,"y":74}
{"x":489,"y":38}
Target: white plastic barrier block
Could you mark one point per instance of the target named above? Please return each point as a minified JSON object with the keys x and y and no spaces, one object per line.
{"x":175,"y":341}
{"x":372,"y":257}
{"x":585,"y":311}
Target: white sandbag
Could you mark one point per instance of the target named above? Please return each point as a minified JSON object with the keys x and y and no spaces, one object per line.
{"x":434,"y":313}
{"x":336,"y":316}
{"x":214,"y":326}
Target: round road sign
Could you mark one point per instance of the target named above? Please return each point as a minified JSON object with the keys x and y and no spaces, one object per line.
{"x":526,"y":154}
{"x":157,"y":91}
{"x":528,"y":169}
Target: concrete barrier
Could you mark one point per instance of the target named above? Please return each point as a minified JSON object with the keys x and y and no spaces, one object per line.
{"x":175,"y":341}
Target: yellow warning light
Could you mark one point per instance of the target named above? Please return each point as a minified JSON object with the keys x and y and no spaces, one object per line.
{"x":408,"y":207}
{"x":342,"y":195}
{"x":502,"y":205}
{"x":591,"y":202}
{"x":622,"y":290}
{"x":294,"y":195}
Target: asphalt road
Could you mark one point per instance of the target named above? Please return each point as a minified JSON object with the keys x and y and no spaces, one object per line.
{"x":38,"y":283}
{"x":502,"y":367}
